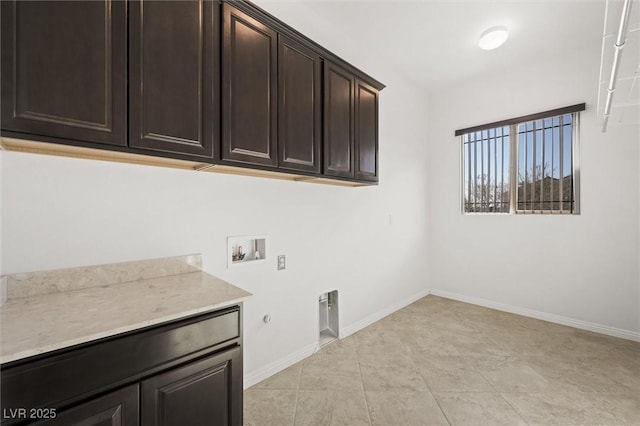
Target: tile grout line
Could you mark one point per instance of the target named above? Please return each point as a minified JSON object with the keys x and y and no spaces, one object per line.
{"x":295,"y":404}
{"x":429,"y":389}
{"x":404,"y":347}
{"x":500,"y":393}
{"x":364,"y":393}
{"x":513,"y":408}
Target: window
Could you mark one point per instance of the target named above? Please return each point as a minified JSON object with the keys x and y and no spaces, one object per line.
{"x":523,"y":165}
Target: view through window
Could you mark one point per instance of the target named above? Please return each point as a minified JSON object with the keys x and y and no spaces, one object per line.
{"x":521,"y":167}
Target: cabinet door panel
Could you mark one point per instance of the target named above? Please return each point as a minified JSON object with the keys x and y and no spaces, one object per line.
{"x":206,"y":392}
{"x":118,"y":408}
{"x":366,"y":131}
{"x":173,"y":57}
{"x":339,"y":121}
{"x":64,"y":69}
{"x":298,"y":106}
{"x":249,"y":89}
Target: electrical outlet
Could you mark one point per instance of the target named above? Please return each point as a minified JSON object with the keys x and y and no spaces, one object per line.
{"x":282,"y":262}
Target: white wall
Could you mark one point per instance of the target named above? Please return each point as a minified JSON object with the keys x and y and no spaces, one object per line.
{"x":60,"y":212}
{"x":581,"y":267}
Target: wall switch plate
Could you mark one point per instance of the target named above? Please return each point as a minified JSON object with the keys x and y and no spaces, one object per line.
{"x":282,"y":262}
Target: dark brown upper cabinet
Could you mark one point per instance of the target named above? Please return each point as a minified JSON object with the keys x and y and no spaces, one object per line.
{"x":366,"y":132}
{"x":64,"y":69}
{"x":299,"y":106}
{"x":209,"y":82}
{"x":339,"y":92}
{"x":249,"y":95}
{"x":174,"y":76}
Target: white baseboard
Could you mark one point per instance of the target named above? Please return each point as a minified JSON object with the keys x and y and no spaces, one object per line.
{"x":558,"y":319}
{"x":269,"y":370}
{"x":376,"y":316}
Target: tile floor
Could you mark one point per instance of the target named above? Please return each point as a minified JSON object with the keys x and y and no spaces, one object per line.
{"x":441,"y":362}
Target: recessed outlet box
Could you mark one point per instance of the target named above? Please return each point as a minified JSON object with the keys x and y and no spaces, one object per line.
{"x":328,"y":317}
{"x":246,"y":249}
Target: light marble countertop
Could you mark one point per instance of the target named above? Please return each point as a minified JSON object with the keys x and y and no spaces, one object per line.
{"x":45,"y":322}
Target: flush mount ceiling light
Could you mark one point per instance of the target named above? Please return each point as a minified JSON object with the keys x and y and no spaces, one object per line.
{"x":493,"y":37}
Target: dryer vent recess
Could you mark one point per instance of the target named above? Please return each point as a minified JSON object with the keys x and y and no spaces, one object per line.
{"x":328,"y":315}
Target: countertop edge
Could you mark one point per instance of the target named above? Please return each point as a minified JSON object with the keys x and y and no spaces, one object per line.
{"x":114,"y":332}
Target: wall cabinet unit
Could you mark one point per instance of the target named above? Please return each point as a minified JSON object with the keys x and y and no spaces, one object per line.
{"x":339,"y":92}
{"x":299,"y":106}
{"x":249,"y":81}
{"x":271,"y":96}
{"x":350,"y":125}
{"x":64,"y":69}
{"x":205,"y":82}
{"x":183,"y":372}
{"x":174,"y":76}
{"x":366,"y":132}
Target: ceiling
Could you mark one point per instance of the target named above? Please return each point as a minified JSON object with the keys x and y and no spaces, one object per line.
{"x":434,"y":43}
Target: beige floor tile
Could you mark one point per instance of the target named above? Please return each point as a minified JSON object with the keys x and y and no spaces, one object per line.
{"x":541,"y":409}
{"x":574,"y":375}
{"x":390,"y":372}
{"x":335,"y":408}
{"x":612,"y":409}
{"x":349,"y":409}
{"x":583,"y":343}
{"x":406,"y":318}
{"x":313,"y":408}
{"x":321,"y":372}
{"x":517,"y":341}
{"x":577,"y":408}
{"x":626,"y":374}
{"x":510,"y":374}
{"x":266,"y":407}
{"x":378,"y":341}
{"x":475,"y":408}
{"x":475,"y":345}
{"x":342,"y":348}
{"x":450,"y":374}
{"x":289,"y":378}
{"x":433,"y":341}
{"x":404,"y":408}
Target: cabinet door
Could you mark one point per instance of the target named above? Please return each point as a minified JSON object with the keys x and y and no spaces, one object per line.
{"x":206,"y":392}
{"x":299,"y":106}
{"x":174,"y":53}
{"x":249,"y":78}
{"x":339,"y":89}
{"x":118,"y":408}
{"x":64,"y":69}
{"x":366,"y":132}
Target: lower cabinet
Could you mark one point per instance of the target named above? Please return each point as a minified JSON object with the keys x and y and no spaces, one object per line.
{"x":186,"y":372}
{"x":199,"y":393}
{"x":118,"y":408}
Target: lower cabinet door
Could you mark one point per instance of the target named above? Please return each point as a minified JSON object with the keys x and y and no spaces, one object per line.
{"x":205,"y":392}
{"x":117,"y":408}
